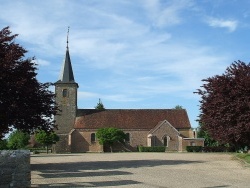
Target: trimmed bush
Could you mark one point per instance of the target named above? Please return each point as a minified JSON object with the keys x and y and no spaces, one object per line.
{"x":152,"y":149}
{"x":40,"y":150}
{"x":194,"y":148}
{"x":210,"y":149}
{"x":218,"y":149}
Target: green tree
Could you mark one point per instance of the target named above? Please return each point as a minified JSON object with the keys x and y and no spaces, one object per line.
{"x":108,"y":136}
{"x":46,"y":138}
{"x":178,"y":107}
{"x":209,"y":141}
{"x":25,"y":103}
{"x":100,"y":105}
{"x":18,"y":140}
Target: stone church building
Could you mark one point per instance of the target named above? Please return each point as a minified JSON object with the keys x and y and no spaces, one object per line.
{"x":143,"y":127}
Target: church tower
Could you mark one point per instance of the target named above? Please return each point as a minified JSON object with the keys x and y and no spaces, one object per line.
{"x":66,"y":99}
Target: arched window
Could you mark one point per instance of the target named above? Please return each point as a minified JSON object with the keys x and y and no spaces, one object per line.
{"x":166,"y":140}
{"x":127,"y":138}
{"x":65,"y":93}
{"x":93,"y":137}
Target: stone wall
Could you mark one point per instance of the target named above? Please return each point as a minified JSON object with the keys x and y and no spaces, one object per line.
{"x":188,"y":133}
{"x":15,"y":168}
{"x":63,"y":145}
{"x":192,"y":142}
{"x":65,"y":118}
{"x":164,"y":132}
{"x":81,"y":141}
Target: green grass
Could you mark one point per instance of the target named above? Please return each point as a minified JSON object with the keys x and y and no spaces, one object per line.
{"x":244,"y":156}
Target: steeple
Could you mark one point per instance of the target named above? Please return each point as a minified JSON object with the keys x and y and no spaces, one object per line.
{"x":67,"y":75}
{"x":66,"y":100}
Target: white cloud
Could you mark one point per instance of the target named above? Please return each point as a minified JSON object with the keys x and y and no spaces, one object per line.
{"x":83,"y":94}
{"x":41,"y":62}
{"x":168,"y":13}
{"x":123,"y":51}
{"x":110,"y":97}
{"x":116,"y":41}
{"x":120,"y":98}
{"x":231,"y":25}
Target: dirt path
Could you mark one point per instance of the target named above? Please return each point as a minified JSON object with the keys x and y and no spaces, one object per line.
{"x":139,"y":170}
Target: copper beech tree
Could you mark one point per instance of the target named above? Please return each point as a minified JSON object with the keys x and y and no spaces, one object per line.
{"x":225,"y":105}
{"x":25,"y":103}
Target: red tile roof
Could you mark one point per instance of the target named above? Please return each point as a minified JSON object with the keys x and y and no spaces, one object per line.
{"x":130,"y":118}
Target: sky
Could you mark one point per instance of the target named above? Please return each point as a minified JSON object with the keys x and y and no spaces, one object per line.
{"x":133,"y":54}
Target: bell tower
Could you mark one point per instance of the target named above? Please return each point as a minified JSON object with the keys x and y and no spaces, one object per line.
{"x":66,"y":99}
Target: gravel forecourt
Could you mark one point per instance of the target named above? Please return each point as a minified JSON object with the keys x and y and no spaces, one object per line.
{"x":194,"y":170}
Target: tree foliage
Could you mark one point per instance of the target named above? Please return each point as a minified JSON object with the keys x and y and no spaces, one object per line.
{"x":225,"y":105}
{"x":208,"y":140}
{"x":3,"y":144}
{"x":18,"y":140}
{"x":100,"y":105}
{"x":46,"y":138}
{"x":25,"y":103}
{"x":178,"y":107}
{"x":108,"y":136}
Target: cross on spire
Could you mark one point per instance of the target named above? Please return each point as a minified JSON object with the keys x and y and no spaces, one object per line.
{"x":68,"y":38}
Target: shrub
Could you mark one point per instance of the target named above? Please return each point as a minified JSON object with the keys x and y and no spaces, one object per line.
{"x":34,"y":149}
{"x":36,"y":152}
{"x":152,"y":149}
{"x":46,"y":138}
{"x":194,"y":148}
{"x":3,"y":144}
{"x":218,"y":149}
{"x":107,"y":136}
{"x":18,"y":140}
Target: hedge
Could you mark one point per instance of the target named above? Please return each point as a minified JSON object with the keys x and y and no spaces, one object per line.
{"x":209,"y":149}
{"x":218,"y":149}
{"x":152,"y":149}
{"x":194,"y":148}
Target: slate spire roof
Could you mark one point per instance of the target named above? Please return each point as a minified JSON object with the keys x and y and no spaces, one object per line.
{"x":67,"y":75}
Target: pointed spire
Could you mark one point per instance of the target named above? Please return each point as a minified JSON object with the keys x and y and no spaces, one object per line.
{"x":67,"y":75}
{"x":68,"y":39}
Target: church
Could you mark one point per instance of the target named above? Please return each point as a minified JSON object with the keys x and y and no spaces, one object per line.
{"x":143,"y":127}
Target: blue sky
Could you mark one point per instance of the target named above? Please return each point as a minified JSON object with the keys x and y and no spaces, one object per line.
{"x":133,"y":53}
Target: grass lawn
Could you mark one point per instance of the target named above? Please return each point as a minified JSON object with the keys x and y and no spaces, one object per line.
{"x":244,"y":156}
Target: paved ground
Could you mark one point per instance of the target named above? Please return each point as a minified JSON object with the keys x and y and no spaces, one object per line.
{"x":149,"y":170}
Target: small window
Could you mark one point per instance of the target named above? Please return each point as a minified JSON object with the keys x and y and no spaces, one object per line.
{"x":65,"y":92}
{"x":127,"y":138}
{"x":93,"y":137}
{"x":193,"y":144}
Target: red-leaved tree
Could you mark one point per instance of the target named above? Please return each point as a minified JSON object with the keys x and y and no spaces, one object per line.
{"x":25,"y":103}
{"x":225,"y":105}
